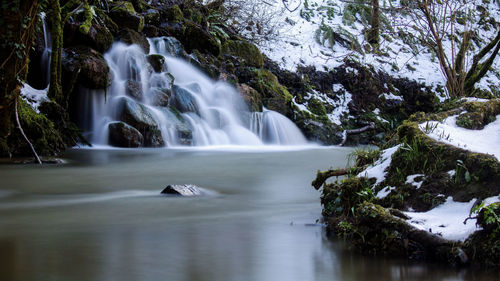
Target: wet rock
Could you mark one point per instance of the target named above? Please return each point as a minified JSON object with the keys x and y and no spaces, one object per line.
{"x":160,"y":96}
{"x":124,"y":13}
{"x":174,"y":47}
{"x":157,"y":62}
{"x":184,"y":100}
{"x":89,"y":65}
{"x":139,"y":116}
{"x":134,"y":89}
{"x":124,"y":135}
{"x":183,"y":190}
{"x":130,"y":36}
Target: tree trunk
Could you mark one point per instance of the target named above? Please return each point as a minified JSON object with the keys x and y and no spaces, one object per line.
{"x":55,"y":89}
{"x":374,"y":33}
{"x":18,"y":18}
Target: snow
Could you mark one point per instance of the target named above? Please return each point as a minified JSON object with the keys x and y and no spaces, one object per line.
{"x":340,"y":105}
{"x":411,"y":180}
{"x":448,"y":219}
{"x":392,"y":97}
{"x":468,"y":99}
{"x":33,"y":96}
{"x":377,"y":170}
{"x":384,"y":192}
{"x":486,"y":140}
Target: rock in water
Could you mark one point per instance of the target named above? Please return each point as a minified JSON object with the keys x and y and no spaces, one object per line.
{"x":182,"y":189}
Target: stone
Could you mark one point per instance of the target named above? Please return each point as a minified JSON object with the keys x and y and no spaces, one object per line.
{"x":92,"y":69}
{"x":124,"y":135}
{"x":251,"y":97}
{"x":195,"y":37}
{"x":246,"y":51}
{"x":139,"y":117}
{"x":99,"y":36}
{"x":184,"y":100}
{"x":134,"y":89}
{"x":182,"y":190}
{"x":124,"y":14}
{"x":130,"y":36}
{"x":157,"y":62}
{"x":160,"y":96}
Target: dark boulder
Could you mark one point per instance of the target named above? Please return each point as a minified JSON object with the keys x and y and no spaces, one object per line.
{"x":251,"y":97}
{"x":182,"y":190}
{"x":88,"y":64}
{"x":130,"y":36}
{"x":157,"y":62}
{"x":99,"y":36}
{"x":246,"y":52}
{"x":140,"y":117}
{"x":124,"y":14}
{"x":152,"y":17}
{"x":124,"y":135}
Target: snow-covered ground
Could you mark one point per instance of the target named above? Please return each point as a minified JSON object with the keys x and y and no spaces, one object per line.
{"x":33,"y":96}
{"x":295,"y":41}
{"x":486,"y":140}
{"x":377,"y":170}
{"x":448,"y":219}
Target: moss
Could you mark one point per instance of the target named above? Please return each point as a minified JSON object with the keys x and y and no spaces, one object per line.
{"x":316,"y":107}
{"x":340,"y":199}
{"x":124,"y":13}
{"x":174,"y":14}
{"x":40,"y":131}
{"x":195,"y":37}
{"x":274,"y":95}
{"x":246,"y":51}
{"x":479,"y":114}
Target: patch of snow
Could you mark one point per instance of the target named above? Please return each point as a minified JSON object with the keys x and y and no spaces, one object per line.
{"x":451,"y":173}
{"x":376,"y":111}
{"x":302,"y":107}
{"x":411,"y":180}
{"x":377,"y":170}
{"x":392,"y":97}
{"x":33,"y":96}
{"x":448,"y":219}
{"x":467,"y":99}
{"x":339,"y":106}
{"x":338,"y":87}
{"x":384,"y":192}
{"x":486,"y":140}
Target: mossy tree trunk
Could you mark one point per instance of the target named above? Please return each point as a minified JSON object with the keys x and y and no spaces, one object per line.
{"x":374,"y":32}
{"x":59,"y":16}
{"x":18,"y":17}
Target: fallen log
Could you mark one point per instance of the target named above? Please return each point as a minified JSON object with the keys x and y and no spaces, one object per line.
{"x":345,"y":133}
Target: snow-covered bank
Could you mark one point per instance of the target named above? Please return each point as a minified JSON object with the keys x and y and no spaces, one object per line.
{"x":486,"y":140}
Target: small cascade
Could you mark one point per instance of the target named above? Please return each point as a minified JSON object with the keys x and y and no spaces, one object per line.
{"x":160,"y":99}
{"x":47,"y":50}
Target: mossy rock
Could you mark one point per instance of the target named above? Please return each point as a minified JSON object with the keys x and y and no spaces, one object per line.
{"x":46,"y":139}
{"x":246,"y":51}
{"x":90,"y":65}
{"x":173,"y":14}
{"x":274,"y":96}
{"x":157,"y":62}
{"x":152,"y":17}
{"x":251,"y":97}
{"x":130,"y":36}
{"x":99,"y":35}
{"x":195,"y":37}
{"x":124,"y":14}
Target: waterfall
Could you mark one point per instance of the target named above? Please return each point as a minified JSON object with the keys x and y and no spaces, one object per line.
{"x":47,"y":50}
{"x":163,"y":100}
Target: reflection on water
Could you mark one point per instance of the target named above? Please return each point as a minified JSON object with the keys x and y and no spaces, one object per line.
{"x":101,"y":217}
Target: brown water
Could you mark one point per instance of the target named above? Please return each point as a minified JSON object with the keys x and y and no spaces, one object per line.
{"x":100,"y":217}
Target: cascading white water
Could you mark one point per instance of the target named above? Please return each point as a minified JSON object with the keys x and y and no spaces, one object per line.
{"x":47,"y":50}
{"x":178,"y":101}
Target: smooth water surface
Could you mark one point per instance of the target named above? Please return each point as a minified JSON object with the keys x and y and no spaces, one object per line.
{"x":100,"y":217}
